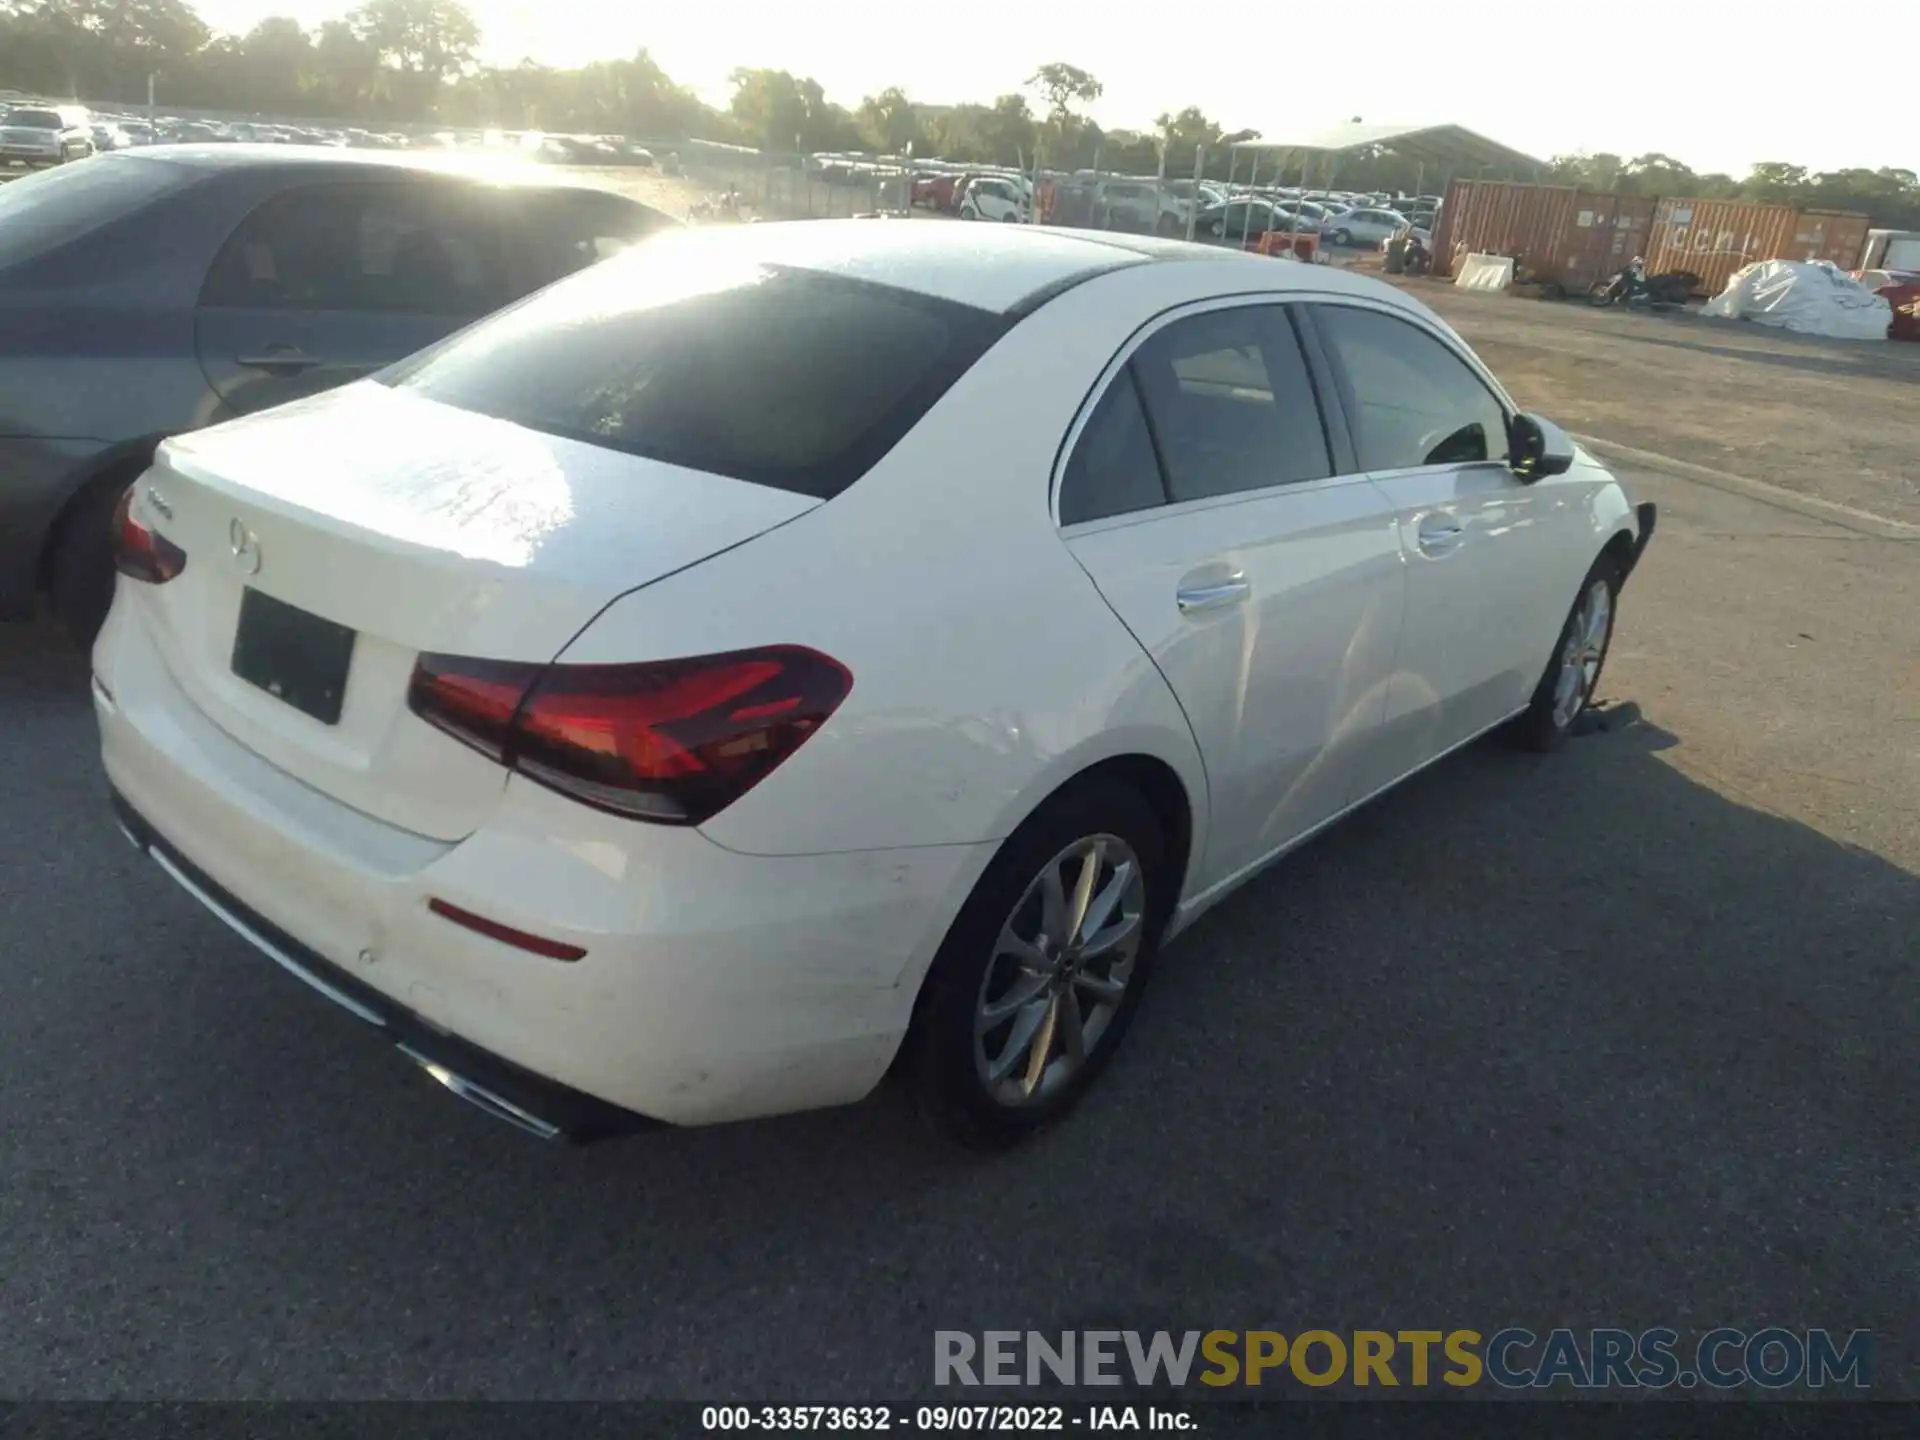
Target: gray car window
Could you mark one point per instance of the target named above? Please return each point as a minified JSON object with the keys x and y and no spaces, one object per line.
{"x":567,"y":230}
{"x":1231,"y":403}
{"x":42,"y":211}
{"x":1113,"y":470}
{"x":787,"y":378}
{"x":1412,"y":400}
{"x":422,"y":247}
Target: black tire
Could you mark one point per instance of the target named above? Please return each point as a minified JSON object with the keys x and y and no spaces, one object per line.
{"x":1601,"y":295}
{"x":1343,"y":237}
{"x":1545,"y":726}
{"x":80,"y":561}
{"x":938,"y":1059}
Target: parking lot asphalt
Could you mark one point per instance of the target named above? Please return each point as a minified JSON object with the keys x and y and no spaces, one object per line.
{"x":1623,"y":1036}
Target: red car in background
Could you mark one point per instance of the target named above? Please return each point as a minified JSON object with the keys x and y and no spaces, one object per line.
{"x":1902,"y":291}
{"x":934,"y":192}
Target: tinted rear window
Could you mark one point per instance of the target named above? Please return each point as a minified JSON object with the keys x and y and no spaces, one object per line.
{"x":52,"y":207}
{"x":787,"y":378}
{"x":34,"y":119}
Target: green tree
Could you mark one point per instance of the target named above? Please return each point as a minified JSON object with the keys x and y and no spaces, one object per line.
{"x":1008,"y":131}
{"x":346,"y":69}
{"x":891,"y":121}
{"x":777,"y":111}
{"x":419,"y":45}
{"x":1062,"y":86}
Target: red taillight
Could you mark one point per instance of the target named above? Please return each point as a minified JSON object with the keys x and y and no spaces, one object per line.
{"x":673,"y":741}
{"x":140,"y":553}
{"x":472,"y":700}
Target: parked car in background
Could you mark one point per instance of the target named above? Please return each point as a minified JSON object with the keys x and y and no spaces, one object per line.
{"x":1363,"y":227}
{"x":1249,"y":217}
{"x":107,"y":136}
{"x":150,"y":292}
{"x":1128,"y":205}
{"x":993,"y":197}
{"x":560,"y":701}
{"x":934,"y":191}
{"x":42,"y":135}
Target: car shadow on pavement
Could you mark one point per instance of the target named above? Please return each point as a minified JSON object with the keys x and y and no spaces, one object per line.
{"x":1535,"y":1040}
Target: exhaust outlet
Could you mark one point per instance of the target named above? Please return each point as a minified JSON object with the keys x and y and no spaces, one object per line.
{"x":483,"y":1098}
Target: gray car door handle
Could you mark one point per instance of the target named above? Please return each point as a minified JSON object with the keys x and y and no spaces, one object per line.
{"x":1438,"y":537}
{"x":1217,"y":596}
{"x":290,"y":361}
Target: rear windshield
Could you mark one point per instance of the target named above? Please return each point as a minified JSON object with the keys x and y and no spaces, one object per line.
{"x":34,"y":119}
{"x":52,"y":207}
{"x":788,"y":378}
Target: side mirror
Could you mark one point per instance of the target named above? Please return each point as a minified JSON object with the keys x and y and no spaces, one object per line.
{"x":1537,"y":448}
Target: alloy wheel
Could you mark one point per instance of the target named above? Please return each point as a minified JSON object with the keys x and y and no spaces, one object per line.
{"x":1585,"y":650}
{"x":1060,"y":970}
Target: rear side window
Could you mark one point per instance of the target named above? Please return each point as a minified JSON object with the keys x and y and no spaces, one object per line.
{"x":42,"y":211}
{"x":788,"y":378}
{"x":422,"y":247}
{"x":563,"y":231}
{"x":1231,"y":403}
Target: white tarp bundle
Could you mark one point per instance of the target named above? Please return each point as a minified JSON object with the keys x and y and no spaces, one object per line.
{"x":1811,"y":297}
{"x":1484,"y":272}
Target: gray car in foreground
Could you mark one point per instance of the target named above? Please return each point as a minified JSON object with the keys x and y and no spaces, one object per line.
{"x":147,"y":293}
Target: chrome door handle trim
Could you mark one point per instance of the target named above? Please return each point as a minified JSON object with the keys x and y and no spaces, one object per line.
{"x":1212,"y":597}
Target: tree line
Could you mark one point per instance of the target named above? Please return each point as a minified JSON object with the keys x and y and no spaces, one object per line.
{"x":414,"y":62}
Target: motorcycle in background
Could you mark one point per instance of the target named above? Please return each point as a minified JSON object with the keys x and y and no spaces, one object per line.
{"x":1633,"y":286}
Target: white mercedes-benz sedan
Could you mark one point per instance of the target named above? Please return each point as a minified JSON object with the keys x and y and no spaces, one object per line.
{"x":784,"y":654}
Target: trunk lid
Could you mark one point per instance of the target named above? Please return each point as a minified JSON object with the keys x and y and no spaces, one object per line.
{"x":418,"y":527}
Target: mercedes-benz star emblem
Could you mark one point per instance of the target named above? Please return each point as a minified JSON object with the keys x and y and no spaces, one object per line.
{"x":246,"y":547}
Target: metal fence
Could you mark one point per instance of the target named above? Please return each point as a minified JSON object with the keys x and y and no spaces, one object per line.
{"x":756,"y":184}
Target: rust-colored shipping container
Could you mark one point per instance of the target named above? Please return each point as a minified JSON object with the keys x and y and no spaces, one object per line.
{"x":1559,"y":234}
{"x":1836,"y":235}
{"x":1714,"y":238}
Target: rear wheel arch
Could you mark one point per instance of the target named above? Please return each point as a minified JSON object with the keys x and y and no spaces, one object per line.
{"x":1157,"y":783}
{"x":112,"y":469}
{"x":1166,"y":794}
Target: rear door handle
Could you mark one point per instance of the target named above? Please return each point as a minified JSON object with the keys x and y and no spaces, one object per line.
{"x":275,"y":359}
{"x":1217,"y":596}
{"x":1437,"y":537}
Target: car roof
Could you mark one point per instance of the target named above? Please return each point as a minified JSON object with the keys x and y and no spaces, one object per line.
{"x":1007,"y":269}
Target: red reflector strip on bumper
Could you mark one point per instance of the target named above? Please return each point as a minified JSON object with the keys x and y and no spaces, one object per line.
{"x":506,"y":934}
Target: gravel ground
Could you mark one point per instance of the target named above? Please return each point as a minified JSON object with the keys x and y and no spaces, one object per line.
{"x":1835,"y":418}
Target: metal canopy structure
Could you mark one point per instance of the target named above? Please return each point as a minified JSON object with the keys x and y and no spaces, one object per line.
{"x":1451,"y":149}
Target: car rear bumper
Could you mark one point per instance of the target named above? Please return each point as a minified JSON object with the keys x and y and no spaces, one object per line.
{"x":716,"y":985}
{"x":533,"y":1102}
